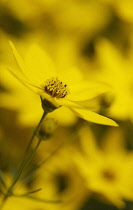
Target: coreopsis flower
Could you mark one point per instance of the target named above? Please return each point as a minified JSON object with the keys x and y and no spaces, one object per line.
{"x":60,"y":180}
{"x":116,"y":70}
{"x":57,"y":87}
{"x":21,"y":96}
{"x":107,"y":170}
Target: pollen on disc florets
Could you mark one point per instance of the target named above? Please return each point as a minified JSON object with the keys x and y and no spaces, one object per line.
{"x":56,"y":88}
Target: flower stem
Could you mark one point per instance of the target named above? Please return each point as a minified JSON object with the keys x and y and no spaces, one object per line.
{"x":25,"y":161}
{"x":35,"y":132}
{"x":31,"y":140}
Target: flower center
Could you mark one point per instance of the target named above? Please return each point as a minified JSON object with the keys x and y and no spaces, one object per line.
{"x":56,"y":88}
{"x":108,"y":175}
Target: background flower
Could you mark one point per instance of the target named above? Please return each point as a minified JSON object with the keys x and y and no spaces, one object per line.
{"x":86,"y":165}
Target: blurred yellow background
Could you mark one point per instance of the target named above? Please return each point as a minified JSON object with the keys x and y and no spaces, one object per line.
{"x":81,"y":165}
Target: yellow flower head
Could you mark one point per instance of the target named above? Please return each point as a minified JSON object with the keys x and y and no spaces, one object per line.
{"x":57,"y":87}
{"x":107,"y":170}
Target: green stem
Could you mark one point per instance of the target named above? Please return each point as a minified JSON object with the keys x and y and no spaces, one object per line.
{"x":31,"y":140}
{"x":9,"y":192}
{"x":24,"y":162}
{"x":34,"y":133}
{"x":25,"y":165}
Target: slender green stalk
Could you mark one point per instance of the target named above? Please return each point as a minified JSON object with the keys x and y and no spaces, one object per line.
{"x":35,"y":131}
{"x":25,"y":165}
{"x":25,"y":161}
{"x":31,"y":140}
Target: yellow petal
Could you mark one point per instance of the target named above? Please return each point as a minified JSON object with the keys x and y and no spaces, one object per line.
{"x":86,"y":90}
{"x":68,"y":118}
{"x":19,"y":73}
{"x":89,"y":147}
{"x":70,"y":76}
{"x":22,"y":78}
{"x":18,"y":58}
{"x":67,"y":103}
{"x":93,"y":117}
{"x":40,"y":66}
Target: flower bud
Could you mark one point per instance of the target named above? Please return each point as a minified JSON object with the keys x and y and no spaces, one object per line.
{"x":47,"y":129}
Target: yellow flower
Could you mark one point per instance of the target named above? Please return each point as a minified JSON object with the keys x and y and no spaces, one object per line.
{"x":57,"y":87}
{"x":116,"y":70}
{"x":107,"y":170}
{"x":59,"y":180}
{"x":21,"y":96}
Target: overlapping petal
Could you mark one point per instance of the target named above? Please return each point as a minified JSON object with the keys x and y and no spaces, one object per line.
{"x":20,"y":72}
{"x":39,"y":65}
{"x":86,"y":90}
{"x":93,"y":117}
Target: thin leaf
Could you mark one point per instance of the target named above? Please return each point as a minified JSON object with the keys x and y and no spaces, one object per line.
{"x":25,"y":194}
